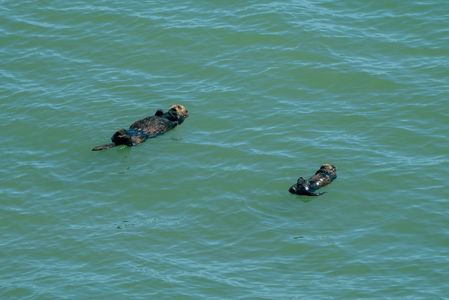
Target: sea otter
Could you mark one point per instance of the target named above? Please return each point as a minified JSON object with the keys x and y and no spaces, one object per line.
{"x":324,"y":176}
{"x":149,"y":127}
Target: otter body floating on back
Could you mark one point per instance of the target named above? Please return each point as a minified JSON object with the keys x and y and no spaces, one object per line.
{"x":324,"y":176}
{"x":148,"y":127}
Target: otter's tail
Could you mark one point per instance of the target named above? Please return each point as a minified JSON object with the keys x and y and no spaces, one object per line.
{"x":103,"y":147}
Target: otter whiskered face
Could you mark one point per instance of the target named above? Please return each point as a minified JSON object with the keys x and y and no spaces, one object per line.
{"x":328,"y":168}
{"x":181,"y":110}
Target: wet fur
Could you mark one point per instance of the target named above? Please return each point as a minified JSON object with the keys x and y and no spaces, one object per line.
{"x":149,"y":127}
{"x":324,"y":176}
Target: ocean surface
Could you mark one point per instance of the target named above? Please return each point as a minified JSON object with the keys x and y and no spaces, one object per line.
{"x":274,"y":90}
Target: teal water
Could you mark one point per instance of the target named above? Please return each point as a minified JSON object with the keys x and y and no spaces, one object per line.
{"x":274,"y":90}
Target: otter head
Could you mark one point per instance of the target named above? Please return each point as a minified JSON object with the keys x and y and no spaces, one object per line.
{"x":181,"y":110}
{"x":328,"y":168}
{"x":178,"y":113}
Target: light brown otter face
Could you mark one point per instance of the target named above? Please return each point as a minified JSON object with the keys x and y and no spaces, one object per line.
{"x":181,"y":111}
{"x":328,"y":168}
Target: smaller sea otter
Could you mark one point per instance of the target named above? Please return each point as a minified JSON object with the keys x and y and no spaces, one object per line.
{"x":148,"y":127}
{"x":324,"y":176}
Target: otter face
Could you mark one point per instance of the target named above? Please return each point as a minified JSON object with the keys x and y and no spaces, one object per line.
{"x":328,"y":168}
{"x":181,"y":111}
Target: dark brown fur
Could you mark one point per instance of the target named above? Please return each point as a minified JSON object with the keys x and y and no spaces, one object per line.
{"x":148,"y":127}
{"x":324,"y":176}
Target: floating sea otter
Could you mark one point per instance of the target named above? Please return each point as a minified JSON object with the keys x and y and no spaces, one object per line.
{"x":148,"y":127}
{"x":324,"y":176}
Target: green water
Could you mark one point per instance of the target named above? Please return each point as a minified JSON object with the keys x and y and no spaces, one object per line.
{"x":274,"y":90}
